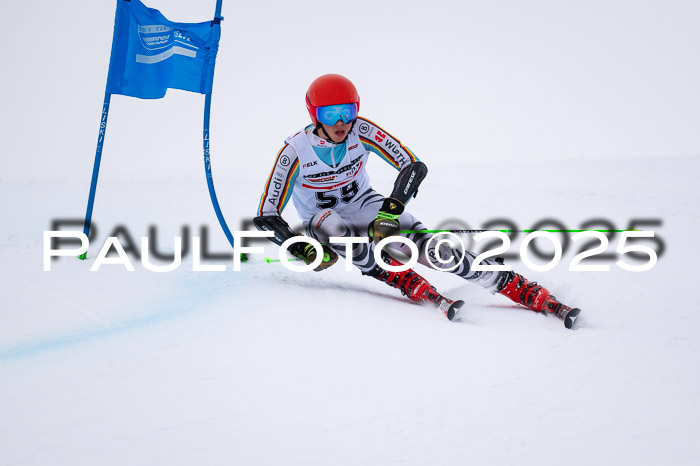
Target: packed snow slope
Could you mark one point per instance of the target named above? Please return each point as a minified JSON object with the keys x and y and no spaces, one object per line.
{"x":583,"y":116}
{"x":268,"y":366}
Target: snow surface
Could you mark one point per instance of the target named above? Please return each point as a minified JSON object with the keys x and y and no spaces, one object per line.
{"x":266,"y":366}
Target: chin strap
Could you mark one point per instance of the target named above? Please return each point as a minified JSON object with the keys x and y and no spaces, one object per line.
{"x":325,"y":134}
{"x":319,"y":128}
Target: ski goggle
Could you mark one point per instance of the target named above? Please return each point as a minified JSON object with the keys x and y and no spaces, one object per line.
{"x":330,"y":114}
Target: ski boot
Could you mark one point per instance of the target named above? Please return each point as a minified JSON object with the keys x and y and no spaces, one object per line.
{"x":518,"y":289}
{"x":416,"y":288}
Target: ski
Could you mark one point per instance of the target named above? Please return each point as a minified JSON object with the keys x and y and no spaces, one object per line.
{"x":570,"y":316}
{"x":452,"y":309}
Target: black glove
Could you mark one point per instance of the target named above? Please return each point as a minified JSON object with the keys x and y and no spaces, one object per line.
{"x":307,"y":253}
{"x":386,"y":223}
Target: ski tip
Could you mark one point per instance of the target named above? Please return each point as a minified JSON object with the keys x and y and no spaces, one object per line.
{"x":571,"y":317}
{"x":454,"y":311}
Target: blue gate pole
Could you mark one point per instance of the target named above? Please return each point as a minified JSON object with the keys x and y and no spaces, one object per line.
{"x":207,"y":155}
{"x":207,"y":170}
{"x":96,"y":168}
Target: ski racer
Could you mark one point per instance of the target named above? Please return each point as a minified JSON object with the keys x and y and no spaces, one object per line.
{"x":322,"y":168}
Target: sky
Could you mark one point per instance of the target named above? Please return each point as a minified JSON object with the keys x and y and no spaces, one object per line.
{"x":456,"y":81}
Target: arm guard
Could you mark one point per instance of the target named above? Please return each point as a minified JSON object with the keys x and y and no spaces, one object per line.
{"x":277,"y":225}
{"x":406,"y":184}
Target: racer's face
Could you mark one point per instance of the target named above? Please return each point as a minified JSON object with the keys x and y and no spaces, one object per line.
{"x":338,"y":131}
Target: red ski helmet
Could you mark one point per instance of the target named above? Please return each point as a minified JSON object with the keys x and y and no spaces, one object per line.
{"x":330,"y":89}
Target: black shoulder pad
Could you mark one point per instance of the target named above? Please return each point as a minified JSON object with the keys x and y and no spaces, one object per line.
{"x":275,"y":224}
{"x":406,"y":184}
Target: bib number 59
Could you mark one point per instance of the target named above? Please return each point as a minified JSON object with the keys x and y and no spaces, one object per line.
{"x":326,"y":200}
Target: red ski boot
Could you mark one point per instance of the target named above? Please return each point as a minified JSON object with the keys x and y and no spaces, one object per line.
{"x":518,"y":289}
{"x":416,"y":288}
